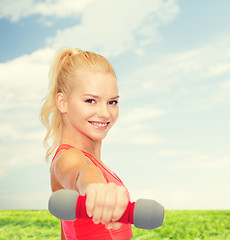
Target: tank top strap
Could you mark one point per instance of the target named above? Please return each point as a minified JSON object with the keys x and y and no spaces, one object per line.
{"x":104,"y":170}
{"x":63,"y":146}
{"x":95,"y":162}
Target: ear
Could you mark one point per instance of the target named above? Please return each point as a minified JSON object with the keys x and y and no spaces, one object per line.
{"x":61,"y":102}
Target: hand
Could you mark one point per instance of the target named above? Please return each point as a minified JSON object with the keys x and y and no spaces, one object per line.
{"x":106,"y":203}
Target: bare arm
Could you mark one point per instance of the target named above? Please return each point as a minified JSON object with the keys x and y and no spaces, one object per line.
{"x":104,"y":202}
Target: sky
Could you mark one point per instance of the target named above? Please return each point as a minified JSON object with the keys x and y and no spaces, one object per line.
{"x":172,"y":60}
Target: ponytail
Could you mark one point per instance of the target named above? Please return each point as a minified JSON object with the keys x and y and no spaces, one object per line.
{"x":64,"y":67}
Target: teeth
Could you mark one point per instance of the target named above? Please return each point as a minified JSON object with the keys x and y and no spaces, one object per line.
{"x":99,"y":124}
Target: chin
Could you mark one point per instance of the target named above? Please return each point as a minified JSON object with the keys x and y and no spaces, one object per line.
{"x":98,"y":137}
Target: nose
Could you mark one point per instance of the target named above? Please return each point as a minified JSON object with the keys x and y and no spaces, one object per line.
{"x":103,"y":111}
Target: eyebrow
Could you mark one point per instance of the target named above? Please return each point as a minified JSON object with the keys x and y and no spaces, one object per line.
{"x":95,"y":96}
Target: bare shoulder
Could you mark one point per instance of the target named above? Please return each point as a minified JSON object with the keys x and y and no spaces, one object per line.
{"x":72,"y":170}
{"x":66,"y":167}
{"x":70,"y":158}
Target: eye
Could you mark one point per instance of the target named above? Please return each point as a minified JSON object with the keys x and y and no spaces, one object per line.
{"x":90,"y":101}
{"x":114,"y":102}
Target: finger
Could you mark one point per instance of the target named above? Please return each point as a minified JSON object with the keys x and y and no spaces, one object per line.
{"x":99,"y":205}
{"x":90,"y":201}
{"x":113,"y":225}
{"x":121,"y":204}
{"x":110,"y":203}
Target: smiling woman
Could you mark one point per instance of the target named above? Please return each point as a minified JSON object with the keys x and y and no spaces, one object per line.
{"x":79,"y":110}
{"x":74,"y":74}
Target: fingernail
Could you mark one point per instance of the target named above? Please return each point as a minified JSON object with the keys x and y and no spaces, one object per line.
{"x":96,"y":221}
{"x":90,"y":214}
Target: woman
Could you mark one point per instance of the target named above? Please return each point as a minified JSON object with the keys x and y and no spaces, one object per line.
{"x":79,"y":110}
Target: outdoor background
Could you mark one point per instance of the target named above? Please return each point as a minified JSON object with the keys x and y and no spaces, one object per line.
{"x":172,"y":60}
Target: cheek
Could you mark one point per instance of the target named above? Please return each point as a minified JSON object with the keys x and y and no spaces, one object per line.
{"x":76,"y":112}
{"x":85,"y":112}
{"x":115,"y":113}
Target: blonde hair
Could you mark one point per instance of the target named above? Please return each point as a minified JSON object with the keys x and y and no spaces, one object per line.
{"x":63,"y":70}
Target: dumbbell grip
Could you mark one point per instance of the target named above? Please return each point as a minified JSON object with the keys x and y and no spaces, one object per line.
{"x":127,"y":216}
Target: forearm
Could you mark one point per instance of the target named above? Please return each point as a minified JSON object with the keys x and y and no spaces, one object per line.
{"x":88,"y":174}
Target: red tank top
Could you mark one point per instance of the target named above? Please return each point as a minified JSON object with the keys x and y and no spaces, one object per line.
{"x":85,"y":229}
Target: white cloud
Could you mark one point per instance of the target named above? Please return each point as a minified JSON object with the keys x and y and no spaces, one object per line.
{"x":204,"y":162}
{"x":15,"y":10}
{"x":24,"y":82}
{"x":178,"y":197}
{"x":193,"y":65}
{"x":197,"y":78}
{"x":144,"y":139}
{"x":140,"y":114}
{"x":191,"y":160}
{"x":225,"y":85}
{"x":60,"y":8}
{"x":20,"y":155}
{"x":113,"y":27}
{"x":25,"y":200}
{"x":135,"y":126}
{"x":108,"y":26}
{"x":25,"y":79}
{"x":222,"y":95}
{"x":170,"y":153}
{"x":16,"y":131}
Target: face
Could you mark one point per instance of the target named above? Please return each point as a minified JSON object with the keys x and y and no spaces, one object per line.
{"x":92,"y":107}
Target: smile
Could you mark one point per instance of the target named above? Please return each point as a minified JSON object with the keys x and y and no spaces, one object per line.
{"x":99,"y":125}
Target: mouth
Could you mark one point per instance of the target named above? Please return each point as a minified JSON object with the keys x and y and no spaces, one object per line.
{"x":100,"y":125}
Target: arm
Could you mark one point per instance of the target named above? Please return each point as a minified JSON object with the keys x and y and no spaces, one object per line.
{"x":73,"y":171}
{"x":104,"y":202}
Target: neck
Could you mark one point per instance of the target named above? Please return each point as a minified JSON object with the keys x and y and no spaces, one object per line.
{"x":82,"y":142}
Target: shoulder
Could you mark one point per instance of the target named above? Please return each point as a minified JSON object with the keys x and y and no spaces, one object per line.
{"x":70,"y":158}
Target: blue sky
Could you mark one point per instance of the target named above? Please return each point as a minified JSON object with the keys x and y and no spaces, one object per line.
{"x":172,"y":59}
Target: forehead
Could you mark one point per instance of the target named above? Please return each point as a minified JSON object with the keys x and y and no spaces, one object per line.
{"x":96,"y":83}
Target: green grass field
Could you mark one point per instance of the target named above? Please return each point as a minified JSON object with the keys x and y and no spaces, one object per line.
{"x":196,"y":225}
